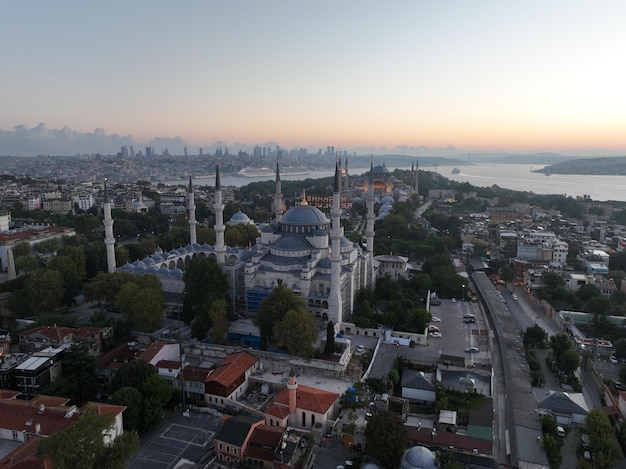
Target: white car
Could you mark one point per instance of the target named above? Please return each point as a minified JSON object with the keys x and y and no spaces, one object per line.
{"x":453,"y":300}
{"x":472,"y":349}
{"x":613,"y":359}
{"x":435,"y":319}
{"x":436,"y":335}
{"x":360,"y":349}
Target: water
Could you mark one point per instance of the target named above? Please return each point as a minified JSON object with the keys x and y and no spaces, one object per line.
{"x":509,"y":176}
{"x":519,"y":178}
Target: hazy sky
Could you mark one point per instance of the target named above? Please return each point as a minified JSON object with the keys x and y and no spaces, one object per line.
{"x":478,"y":75}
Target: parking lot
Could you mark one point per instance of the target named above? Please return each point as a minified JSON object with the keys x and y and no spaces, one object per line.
{"x":456,"y":334}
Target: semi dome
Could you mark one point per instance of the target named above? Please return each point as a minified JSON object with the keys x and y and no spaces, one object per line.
{"x":304,"y":215}
{"x":418,"y":457}
{"x":291,"y":243}
{"x":387,"y":200}
{"x":240,"y":217}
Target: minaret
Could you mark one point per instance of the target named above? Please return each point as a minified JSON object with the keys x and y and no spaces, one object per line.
{"x":218,"y":206}
{"x":346,"y":177}
{"x":191,"y":207}
{"x":412,"y":176}
{"x":278,"y":196}
{"x":335,"y":305}
{"x":292,"y":386}
{"x":417,"y":167}
{"x":369,"y":226}
{"x":12,"y":274}
{"x":109,"y":240}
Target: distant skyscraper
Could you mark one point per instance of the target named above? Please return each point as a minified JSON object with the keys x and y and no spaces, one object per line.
{"x":185,"y":150}
{"x":124,"y":151}
{"x":149,"y":152}
{"x":200,"y":151}
{"x":132,"y":151}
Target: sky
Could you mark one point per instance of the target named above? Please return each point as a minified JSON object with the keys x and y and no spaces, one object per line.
{"x":473,"y":75}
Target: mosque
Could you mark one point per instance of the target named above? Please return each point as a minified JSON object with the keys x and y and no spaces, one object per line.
{"x":303,"y":249}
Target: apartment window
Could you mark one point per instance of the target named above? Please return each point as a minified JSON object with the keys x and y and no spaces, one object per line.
{"x":16,"y":435}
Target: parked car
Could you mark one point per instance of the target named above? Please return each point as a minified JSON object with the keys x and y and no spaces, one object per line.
{"x":435,"y":303}
{"x":469,"y":321}
{"x":436,"y":335}
{"x":560,"y":431}
{"x":435,"y":319}
{"x":469,"y":316}
{"x":613,"y":359}
{"x":360,"y":349}
{"x":453,"y":300}
{"x":472,"y":349}
{"x":432,"y":329}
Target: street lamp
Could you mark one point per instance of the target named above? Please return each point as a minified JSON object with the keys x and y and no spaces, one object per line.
{"x":463,"y":292}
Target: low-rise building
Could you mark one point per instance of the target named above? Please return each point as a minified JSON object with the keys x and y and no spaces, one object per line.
{"x":230,"y":379}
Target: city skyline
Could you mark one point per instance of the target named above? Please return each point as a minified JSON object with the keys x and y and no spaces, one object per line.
{"x":441,"y":76}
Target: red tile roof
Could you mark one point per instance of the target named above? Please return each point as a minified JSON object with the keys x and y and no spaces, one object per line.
{"x":32,"y":233}
{"x":279,"y":411}
{"x":196,"y":374}
{"x":232,"y":368}
{"x":116,"y":357}
{"x":447,"y":439}
{"x":314,"y":400}
{"x":18,"y":415}
{"x":104,"y":408}
{"x":266,"y":436}
{"x":49,"y":401}
{"x":152,"y":351}
{"x":169,"y":364}
{"x":53,"y":333}
{"x":5,"y":394}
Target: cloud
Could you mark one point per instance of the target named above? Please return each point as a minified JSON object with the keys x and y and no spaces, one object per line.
{"x":39,"y":140}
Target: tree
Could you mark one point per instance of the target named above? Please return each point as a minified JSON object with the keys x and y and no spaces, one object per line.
{"x":45,"y":290}
{"x":548,"y":425}
{"x":132,"y":374}
{"x":620,"y":347}
{"x":274,"y":308}
{"x":26,"y":264}
{"x":219,"y":322}
{"x":448,"y":461}
{"x":329,"y":348}
{"x":598,"y":305}
{"x":588,"y":291}
{"x":204,"y":283}
{"x":24,"y":249}
{"x":79,"y":381}
{"x":569,"y":361}
{"x":141,"y":301}
{"x":602,"y":438}
{"x":82,"y":446}
{"x":132,"y":399}
{"x":551,"y":447}
{"x":386,"y":438}
{"x":559,"y":343}
{"x":154,"y":391}
{"x":534,"y":336}
{"x":297,"y":332}
{"x":72,"y":274}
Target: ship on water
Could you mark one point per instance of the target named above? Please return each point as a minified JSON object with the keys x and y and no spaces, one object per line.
{"x":265,"y":171}
{"x":456,"y":171}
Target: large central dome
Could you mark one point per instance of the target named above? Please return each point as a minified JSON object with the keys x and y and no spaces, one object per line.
{"x":304,"y":215}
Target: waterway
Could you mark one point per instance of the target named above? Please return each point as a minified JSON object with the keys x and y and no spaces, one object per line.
{"x":518,"y":177}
